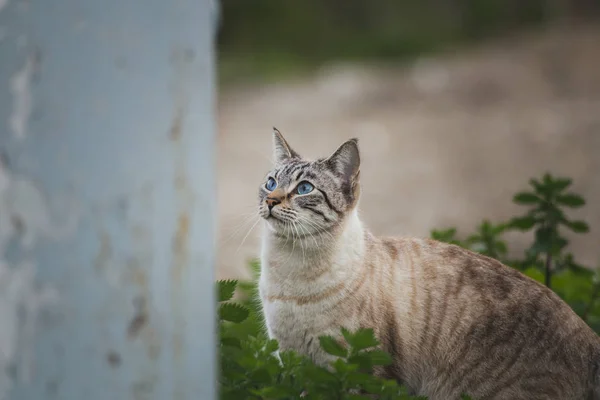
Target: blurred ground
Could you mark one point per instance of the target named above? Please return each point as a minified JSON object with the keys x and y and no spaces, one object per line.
{"x":445,"y":141}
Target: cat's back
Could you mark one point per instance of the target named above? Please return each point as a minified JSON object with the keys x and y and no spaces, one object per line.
{"x":470,"y":323}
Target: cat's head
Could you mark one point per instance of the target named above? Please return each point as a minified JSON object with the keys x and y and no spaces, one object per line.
{"x":300,"y":198}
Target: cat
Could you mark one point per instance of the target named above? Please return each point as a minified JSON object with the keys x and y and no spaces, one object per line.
{"x":454,"y":321}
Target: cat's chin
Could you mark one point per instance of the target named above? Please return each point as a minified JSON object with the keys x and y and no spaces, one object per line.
{"x":273,"y":222}
{"x":278,"y":227}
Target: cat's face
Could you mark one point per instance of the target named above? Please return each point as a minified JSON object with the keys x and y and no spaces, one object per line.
{"x":302,"y":198}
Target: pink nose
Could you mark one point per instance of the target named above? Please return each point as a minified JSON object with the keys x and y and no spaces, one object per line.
{"x":272,"y":202}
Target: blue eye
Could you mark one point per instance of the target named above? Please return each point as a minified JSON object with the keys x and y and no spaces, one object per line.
{"x":271,"y":184}
{"x":304,"y":188}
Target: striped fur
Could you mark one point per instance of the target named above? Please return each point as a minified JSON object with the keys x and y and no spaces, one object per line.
{"x":453,"y":320}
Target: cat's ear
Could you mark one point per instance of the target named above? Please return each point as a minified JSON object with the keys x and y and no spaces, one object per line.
{"x":346,"y":160}
{"x":281,"y":149}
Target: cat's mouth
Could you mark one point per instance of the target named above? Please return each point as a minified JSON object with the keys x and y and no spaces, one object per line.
{"x":275,"y":220}
{"x":269,"y":216}
{"x":273,"y":217}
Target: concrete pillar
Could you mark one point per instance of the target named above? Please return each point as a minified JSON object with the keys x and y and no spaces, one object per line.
{"x":107,"y":199}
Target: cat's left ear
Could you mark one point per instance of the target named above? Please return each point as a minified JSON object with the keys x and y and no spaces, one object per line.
{"x":346,"y":160}
{"x":281,"y":149}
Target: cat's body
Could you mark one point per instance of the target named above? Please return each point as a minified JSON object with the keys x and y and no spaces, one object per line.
{"x":454,"y":321}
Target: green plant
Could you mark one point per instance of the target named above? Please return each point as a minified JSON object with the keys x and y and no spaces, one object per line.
{"x":448,"y":236}
{"x":546,"y":216}
{"x":487,"y":240}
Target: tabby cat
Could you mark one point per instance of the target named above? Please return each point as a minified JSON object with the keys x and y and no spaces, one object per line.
{"x":453,"y":320}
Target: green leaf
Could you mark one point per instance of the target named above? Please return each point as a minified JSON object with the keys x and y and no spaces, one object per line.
{"x":233,"y":312}
{"x":361,"y":339}
{"x":541,"y":189}
{"x":498,"y":229}
{"x":361,"y":379}
{"x":379,"y":357}
{"x":347,"y":334}
{"x":553,"y":214}
{"x":321,"y":375}
{"x":274,"y":392}
{"x":361,"y":360}
{"x":536,"y":184}
{"x":342,"y":367}
{"x":332,"y":346}
{"x":526,"y":198}
{"x":578,"y":226}
{"x":255,"y":268}
{"x":446,"y":236}
{"x":523,"y":223}
{"x":271,"y":346}
{"x":572,"y":287}
{"x":261,"y":375}
{"x":534,"y":274}
{"x":231,"y":342}
{"x":544,"y":240}
{"x":570,"y":200}
{"x":226,"y":289}
{"x":233,"y":394}
{"x":373,"y":386}
{"x":367,"y":359}
{"x":560,"y":184}
{"x":501,"y":247}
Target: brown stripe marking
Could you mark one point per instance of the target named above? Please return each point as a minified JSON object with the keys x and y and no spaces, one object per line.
{"x":491,"y":336}
{"x":392,"y":343}
{"x":413,"y":279}
{"x":354,"y":290}
{"x":391,"y":249}
{"x":314,"y":298}
{"x":441,"y":319}
{"x":425,"y":330}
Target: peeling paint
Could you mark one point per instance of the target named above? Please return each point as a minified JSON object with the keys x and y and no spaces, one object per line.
{"x":113,"y":358}
{"x":175,"y":131}
{"x":140,"y":318}
{"x":18,"y":291}
{"x":104,"y":253}
{"x":136,"y":325}
{"x":180,"y":245}
{"x":24,"y":209}
{"x":20,"y":89}
{"x":24,"y":218}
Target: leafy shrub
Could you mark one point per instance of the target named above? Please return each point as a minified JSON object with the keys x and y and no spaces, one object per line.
{"x":273,"y":38}
{"x":252,"y":368}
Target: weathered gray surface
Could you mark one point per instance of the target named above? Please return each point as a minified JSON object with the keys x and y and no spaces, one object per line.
{"x":445,"y":142}
{"x":106,"y":205}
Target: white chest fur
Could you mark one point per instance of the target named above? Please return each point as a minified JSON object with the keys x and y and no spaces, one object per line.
{"x":298,"y":327}
{"x":298,"y":308}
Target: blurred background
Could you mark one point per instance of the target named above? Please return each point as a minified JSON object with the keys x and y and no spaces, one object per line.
{"x":456,"y":103}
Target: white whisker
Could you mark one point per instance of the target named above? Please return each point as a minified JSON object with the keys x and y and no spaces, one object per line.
{"x":240,"y":227}
{"x":247,"y":234}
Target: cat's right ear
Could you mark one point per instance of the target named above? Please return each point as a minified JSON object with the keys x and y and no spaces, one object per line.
{"x":346,"y":160}
{"x":281,"y":149}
